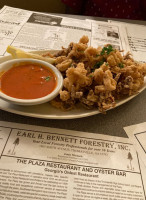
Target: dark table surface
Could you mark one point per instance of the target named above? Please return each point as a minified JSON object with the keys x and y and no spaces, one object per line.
{"x":111,"y":123}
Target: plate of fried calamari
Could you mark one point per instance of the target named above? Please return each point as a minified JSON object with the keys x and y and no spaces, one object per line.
{"x":95,"y":80}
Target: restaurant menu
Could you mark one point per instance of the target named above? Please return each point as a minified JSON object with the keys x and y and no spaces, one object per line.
{"x":107,"y":33}
{"x":56,"y":164}
{"x":137,"y":134}
{"x":33,"y":31}
{"x":38,"y":31}
{"x":135,"y":39}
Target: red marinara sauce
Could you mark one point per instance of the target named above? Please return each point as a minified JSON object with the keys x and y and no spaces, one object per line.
{"x":28,"y":81}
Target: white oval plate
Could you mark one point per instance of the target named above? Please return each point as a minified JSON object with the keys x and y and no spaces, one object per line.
{"x":46,"y":111}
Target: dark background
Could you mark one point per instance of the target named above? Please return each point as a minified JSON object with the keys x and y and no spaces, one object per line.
{"x":54,"y":6}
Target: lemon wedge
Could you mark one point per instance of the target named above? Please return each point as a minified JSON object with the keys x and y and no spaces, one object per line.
{"x":18,"y":53}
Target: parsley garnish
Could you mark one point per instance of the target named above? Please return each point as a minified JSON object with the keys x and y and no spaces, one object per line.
{"x":98,"y":64}
{"x":106,"y":50}
{"x":91,"y":75}
{"x":121,"y":65}
{"x":47,"y":78}
{"x":97,"y":55}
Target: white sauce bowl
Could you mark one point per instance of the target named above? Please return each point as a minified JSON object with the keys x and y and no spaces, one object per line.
{"x":9,"y":64}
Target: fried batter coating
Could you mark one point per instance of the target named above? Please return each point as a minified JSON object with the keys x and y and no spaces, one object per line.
{"x":64,"y":95}
{"x":90,"y":51}
{"x":60,"y":59}
{"x":77,"y":51}
{"x":92,"y":55}
{"x":75,"y":94}
{"x":84,"y":39}
{"x":104,"y":66}
{"x":63,"y":66}
{"x":99,"y":89}
{"x":67,"y":85}
{"x":87,"y":103}
{"x":131,"y":80}
{"x":114,"y":60}
{"x":92,"y":97}
{"x":78,"y":77}
{"x":96,"y":77}
{"x":109,"y":82}
{"x":106,"y":101}
{"x":104,"y":80}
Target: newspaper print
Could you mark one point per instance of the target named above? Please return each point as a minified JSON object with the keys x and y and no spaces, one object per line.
{"x":37,"y":31}
{"x":45,"y":163}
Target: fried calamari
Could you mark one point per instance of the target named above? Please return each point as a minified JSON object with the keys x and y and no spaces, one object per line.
{"x":96,"y":77}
